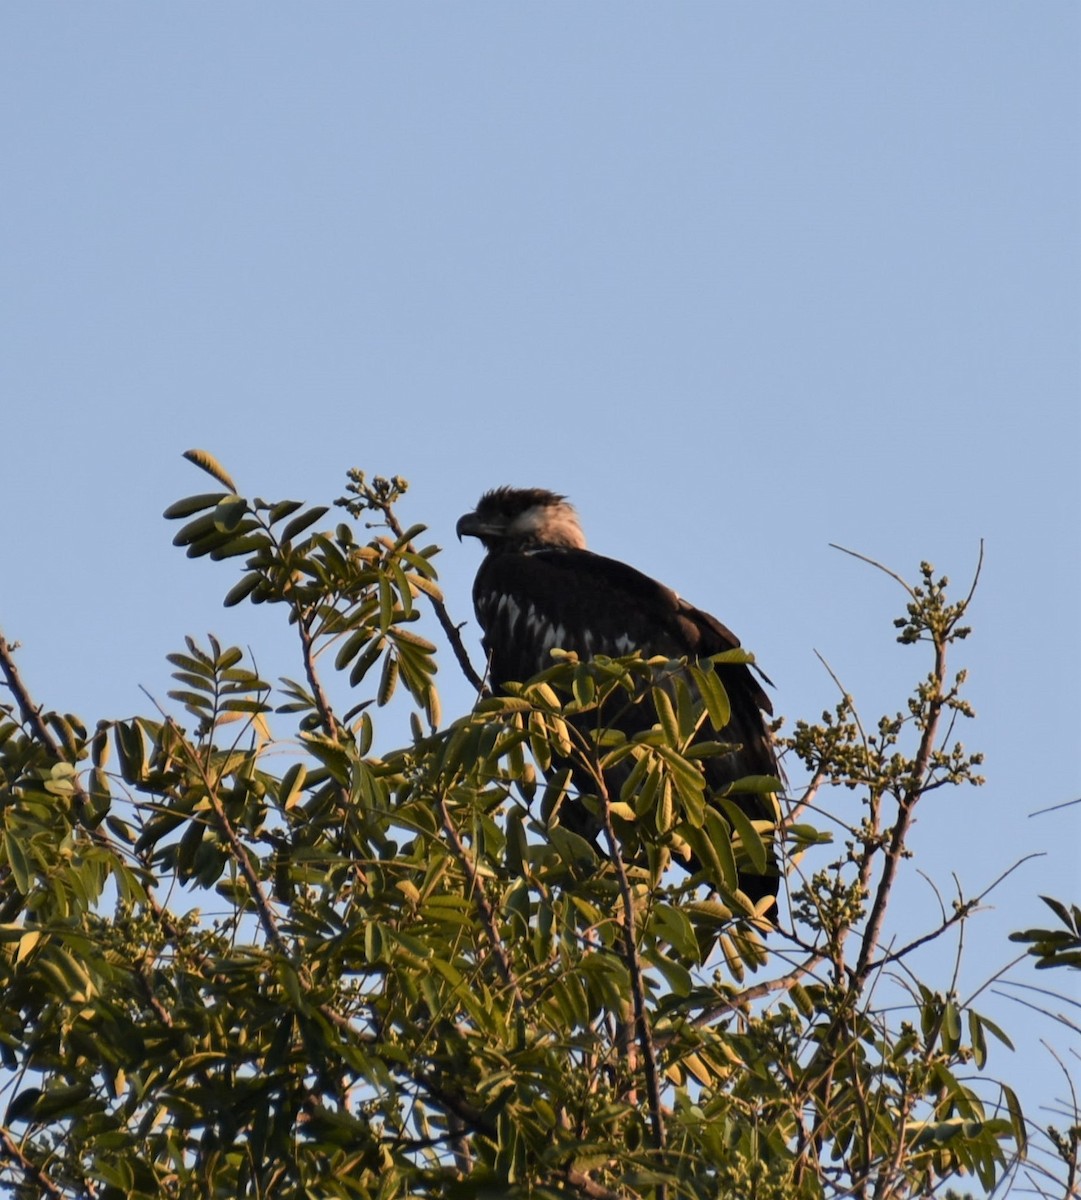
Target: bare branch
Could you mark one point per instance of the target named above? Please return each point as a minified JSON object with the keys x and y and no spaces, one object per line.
{"x":326,"y":714}
{"x":807,"y":799}
{"x":1055,"y":807}
{"x":590,"y":1188}
{"x":906,"y":811}
{"x":975,"y":579}
{"x":963,"y":910}
{"x":760,"y":990}
{"x":879,"y":566}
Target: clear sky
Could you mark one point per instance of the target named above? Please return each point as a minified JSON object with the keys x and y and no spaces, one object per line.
{"x":742,"y":280}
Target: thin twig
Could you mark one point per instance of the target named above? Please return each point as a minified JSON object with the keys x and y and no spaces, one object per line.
{"x":963,"y":911}
{"x":451,"y":630}
{"x":884,"y":569}
{"x":906,"y":812}
{"x":1055,"y":807}
{"x":634,"y":969}
{"x":487,"y":914}
{"x":34,"y":1174}
{"x":807,"y":799}
{"x":240,"y":854}
{"x":975,"y":579}
{"x":734,"y":1003}
{"x":326,"y":714}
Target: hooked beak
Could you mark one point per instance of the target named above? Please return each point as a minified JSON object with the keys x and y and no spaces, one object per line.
{"x":490,"y":531}
{"x":468,"y":526}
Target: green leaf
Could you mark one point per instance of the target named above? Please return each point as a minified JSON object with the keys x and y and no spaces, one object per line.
{"x":298,"y":524}
{"x":388,"y":680}
{"x":688,"y":781}
{"x":196,"y":666}
{"x":61,"y":1101}
{"x":202,"y":683}
{"x":675,"y":927}
{"x":129,"y":749}
{"x":352,"y":646}
{"x":193,"y":504}
{"x":1061,"y":911}
{"x":801,"y":998}
{"x":366,"y":660}
{"x":714,"y":697}
{"x":244,"y":706}
{"x":711,"y":912}
{"x":708,"y":858}
{"x":248,"y":544}
{"x":731,"y":957}
{"x":951,"y":1027}
{"x":413,"y":639}
{"x":22,"y":1105}
{"x":517,"y":850}
{"x":750,"y":839}
{"x":17,"y":861}
{"x":675,"y":974}
{"x":282,"y":509}
{"x":997,"y":1031}
{"x":755,"y":784}
{"x":292,"y":785}
{"x":386,"y":603}
{"x":717,"y":832}
{"x":229,"y":513}
{"x":194,"y":530}
{"x":666,"y":715}
{"x":977,"y":1039}
{"x":1017,"y":1119}
{"x":242,"y":590}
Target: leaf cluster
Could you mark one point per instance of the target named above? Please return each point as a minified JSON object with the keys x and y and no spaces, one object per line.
{"x":248,"y":950}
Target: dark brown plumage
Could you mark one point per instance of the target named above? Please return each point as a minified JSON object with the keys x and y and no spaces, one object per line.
{"x":539,"y":588}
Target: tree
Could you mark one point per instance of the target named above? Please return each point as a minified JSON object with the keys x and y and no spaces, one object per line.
{"x":249,"y":951}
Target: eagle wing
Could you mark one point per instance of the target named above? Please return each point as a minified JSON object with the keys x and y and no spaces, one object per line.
{"x":533,"y":602}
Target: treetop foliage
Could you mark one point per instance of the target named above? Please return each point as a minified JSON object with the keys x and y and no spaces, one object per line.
{"x":247,"y":949}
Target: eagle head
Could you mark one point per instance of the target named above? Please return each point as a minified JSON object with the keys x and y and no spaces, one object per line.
{"x":520,"y":519}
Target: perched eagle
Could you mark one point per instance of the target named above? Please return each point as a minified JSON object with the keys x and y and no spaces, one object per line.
{"x":539,"y":588}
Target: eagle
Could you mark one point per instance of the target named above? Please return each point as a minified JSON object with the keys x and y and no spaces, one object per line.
{"x":539,"y":589}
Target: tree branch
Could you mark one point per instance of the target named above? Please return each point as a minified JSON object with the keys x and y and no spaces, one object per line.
{"x":326,"y":714}
{"x":758,"y":992}
{"x":240,"y":855}
{"x":476,"y":887}
{"x":906,"y":809}
{"x":962,"y":911}
{"x":438,"y":607}
{"x":634,"y":968}
{"x":33,"y":1173}
{"x":31,"y":715}
{"x":589,"y":1187}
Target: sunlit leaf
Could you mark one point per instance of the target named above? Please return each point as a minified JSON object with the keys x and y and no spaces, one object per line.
{"x":209,"y":464}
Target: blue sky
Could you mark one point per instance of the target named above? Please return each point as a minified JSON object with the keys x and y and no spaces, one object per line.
{"x":742,"y":280}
